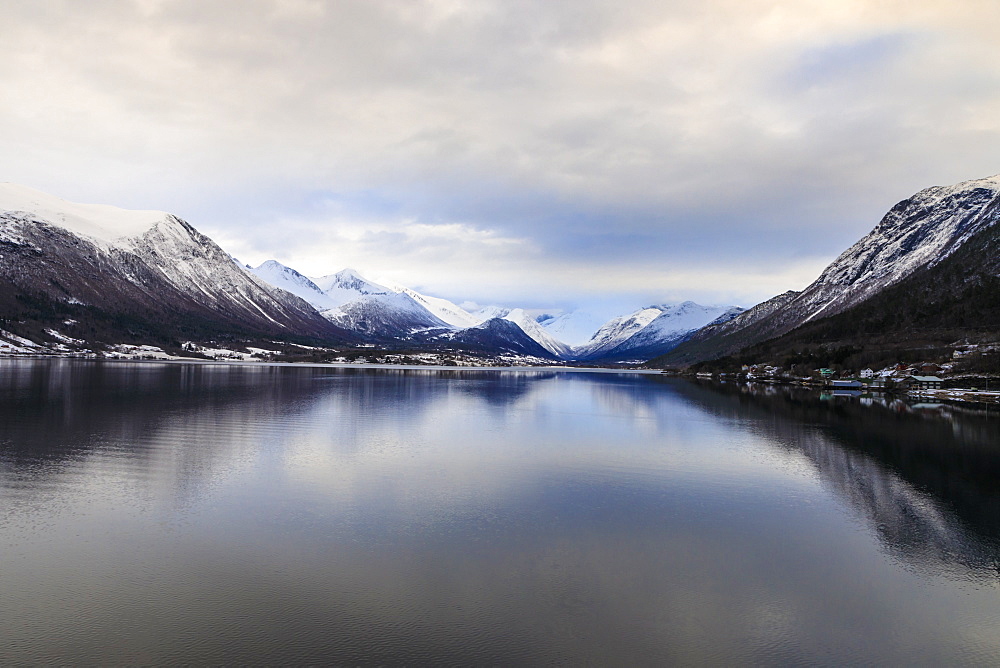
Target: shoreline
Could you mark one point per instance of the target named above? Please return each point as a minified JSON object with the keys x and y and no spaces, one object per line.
{"x":326,"y":365}
{"x":961,"y":396}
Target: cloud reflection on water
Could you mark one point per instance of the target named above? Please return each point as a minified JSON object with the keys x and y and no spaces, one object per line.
{"x":390,"y":514}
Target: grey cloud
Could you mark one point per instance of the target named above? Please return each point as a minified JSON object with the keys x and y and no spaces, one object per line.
{"x":689,"y":133}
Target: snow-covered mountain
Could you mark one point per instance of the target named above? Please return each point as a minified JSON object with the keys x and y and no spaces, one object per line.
{"x":393,"y":315}
{"x":135,"y":272}
{"x":288,"y":279}
{"x":529,"y":325}
{"x":918,"y":232}
{"x":915,"y":236}
{"x":651,"y":331}
{"x":394,"y":311}
{"x":148,"y":275}
{"x":451,"y":313}
{"x":441,"y":308}
{"x":352,"y":301}
{"x":616,"y":331}
{"x":348,"y":285}
{"x":574,"y":328}
{"x":488,"y":312}
{"x":382,"y":311}
{"x":501,"y":336}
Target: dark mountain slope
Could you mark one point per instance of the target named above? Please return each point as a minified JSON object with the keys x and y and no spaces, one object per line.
{"x":956,"y":300}
{"x":918,"y":234}
{"x":170,"y":282}
{"x":498,"y":336}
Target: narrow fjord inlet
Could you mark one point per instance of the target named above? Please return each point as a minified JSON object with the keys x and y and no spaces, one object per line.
{"x":500,"y":333}
{"x":202,"y":514}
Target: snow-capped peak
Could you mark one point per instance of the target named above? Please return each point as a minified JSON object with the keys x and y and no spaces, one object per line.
{"x":350,"y":279}
{"x":348,"y":285}
{"x":617,"y":330}
{"x":105,"y":224}
{"x":920,"y":231}
{"x":292,"y":281}
{"x":650,"y":328}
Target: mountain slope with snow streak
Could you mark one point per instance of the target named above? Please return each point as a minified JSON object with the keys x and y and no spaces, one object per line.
{"x":147,"y":271}
{"x":451,"y":313}
{"x":286,"y":278}
{"x":915,"y":236}
{"x":500,"y":336}
{"x":388,"y":316}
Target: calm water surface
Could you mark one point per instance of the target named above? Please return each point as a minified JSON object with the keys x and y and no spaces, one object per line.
{"x":163,"y":514}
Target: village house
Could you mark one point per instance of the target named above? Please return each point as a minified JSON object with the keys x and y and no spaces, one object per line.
{"x":921,"y":383}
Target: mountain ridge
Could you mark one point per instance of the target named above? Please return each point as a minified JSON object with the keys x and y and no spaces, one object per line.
{"x":914,"y":237}
{"x":161,"y":276}
{"x":67,"y":267}
{"x":388,"y":312}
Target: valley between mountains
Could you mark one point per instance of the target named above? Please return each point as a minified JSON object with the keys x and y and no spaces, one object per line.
{"x":95,"y":280}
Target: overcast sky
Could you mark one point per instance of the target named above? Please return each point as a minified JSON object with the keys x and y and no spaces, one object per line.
{"x":540,"y":152}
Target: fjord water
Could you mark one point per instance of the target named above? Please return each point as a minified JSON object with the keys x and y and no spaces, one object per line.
{"x":171,"y":513}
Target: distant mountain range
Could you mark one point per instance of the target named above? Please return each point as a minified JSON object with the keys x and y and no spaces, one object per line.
{"x":398,"y":313}
{"x":75,"y":277}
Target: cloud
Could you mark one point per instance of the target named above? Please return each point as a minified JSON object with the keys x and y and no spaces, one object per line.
{"x":588,"y":138}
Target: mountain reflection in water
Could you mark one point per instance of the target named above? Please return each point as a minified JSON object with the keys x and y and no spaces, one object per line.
{"x":923,"y":476}
{"x":183,"y":513}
